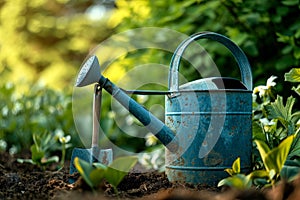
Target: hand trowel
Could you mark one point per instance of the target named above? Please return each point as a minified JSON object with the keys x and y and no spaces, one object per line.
{"x":94,"y":154}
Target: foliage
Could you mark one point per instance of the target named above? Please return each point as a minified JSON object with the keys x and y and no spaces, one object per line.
{"x":114,"y":173}
{"x":275,"y":158}
{"x":274,"y":120}
{"x":236,"y":179}
{"x":273,"y":161}
{"x":40,"y":150}
{"x":46,"y":41}
{"x":40,"y":113}
{"x":267,"y":31}
{"x":293,"y":76}
{"x":276,"y":137}
{"x":64,"y":143}
{"x":236,"y":167}
{"x":290,"y":170}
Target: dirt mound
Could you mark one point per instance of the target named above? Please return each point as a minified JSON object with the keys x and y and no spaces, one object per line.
{"x":27,"y":181}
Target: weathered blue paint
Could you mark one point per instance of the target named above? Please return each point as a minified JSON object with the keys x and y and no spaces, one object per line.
{"x":211,"y":119}
{"x":208,"y":121}
{"x":157,"y":127}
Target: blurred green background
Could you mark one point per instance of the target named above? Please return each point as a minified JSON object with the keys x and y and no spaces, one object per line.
{"x":44,"y":42}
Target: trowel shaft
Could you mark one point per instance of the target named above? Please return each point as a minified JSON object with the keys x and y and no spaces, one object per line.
{"x":96,"y":114}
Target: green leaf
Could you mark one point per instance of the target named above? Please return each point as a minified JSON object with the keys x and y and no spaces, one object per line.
{"x":85,"y":169}
{"x":52,"y":159}
{"x":296,"y":52}
{"x":97,"y":176}
{"x":259,"y":174}
{"x":290,"y":170}
{"x":124,"y":163}
{"x":239,"y":181}
{"x":119,"y":168}
{"x":26,"y":161}
{"x":295,"y":147}
{"x":100,"y":165}
{"x":297,"y":89}
{"x":260,"y":177}
{"x":257,"y":132}
{"x":293,"y":75}
{"x":114,"y":176}
{"x":283,"y":113}
{"x":229,"y":171}
{"x":290,"y":2}
{"x":235,"y":169}
{"x":276,"y":158}
{"x":236,"y":166}
{"x":36,"y":154}
{"x":262,"y":148}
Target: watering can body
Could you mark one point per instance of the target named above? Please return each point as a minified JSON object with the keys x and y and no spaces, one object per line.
{"x":214,"y":128}
{"x":212,"y":120}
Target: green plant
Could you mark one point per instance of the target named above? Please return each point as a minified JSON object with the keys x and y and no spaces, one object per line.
{"x":44,"y":145}
{"x":273,"y":162}
{"x":273,"y":159}
{"x":292,"y":165}
{"x":64,"y":142}
{"x":40,"y":151}
{"x":276,"y":153}
{"x":293,"y":76}
{"x":274,"y":120}
{"x":39,"y":110}
{"x":94,"y":174}
{"x":236,"y":179}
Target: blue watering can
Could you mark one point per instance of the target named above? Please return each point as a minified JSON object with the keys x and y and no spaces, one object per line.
{"x":208,"y":122}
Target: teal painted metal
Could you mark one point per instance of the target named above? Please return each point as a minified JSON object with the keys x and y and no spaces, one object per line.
{"x":208,"y":121}
{"x":211,"y":118}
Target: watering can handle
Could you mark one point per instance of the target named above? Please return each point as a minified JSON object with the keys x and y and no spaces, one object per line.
{"x":238,"y":54}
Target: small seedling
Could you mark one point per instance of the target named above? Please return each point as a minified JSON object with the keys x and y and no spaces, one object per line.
{"x":114,"y":173}
{"x":41,"y":149}
{"x":39,"y":152}
{"x":236,"y":179}
{"x":64,"y":141}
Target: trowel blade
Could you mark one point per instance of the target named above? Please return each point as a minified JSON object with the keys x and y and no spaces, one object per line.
{"x":91,"y":156}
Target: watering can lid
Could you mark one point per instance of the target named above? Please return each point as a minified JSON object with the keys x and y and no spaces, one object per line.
{"x":214,"y":83}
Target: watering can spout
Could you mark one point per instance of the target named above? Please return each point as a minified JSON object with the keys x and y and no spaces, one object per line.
{"x":90,"y":73}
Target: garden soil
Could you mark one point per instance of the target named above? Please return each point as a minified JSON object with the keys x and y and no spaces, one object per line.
{"x":27,"y":181}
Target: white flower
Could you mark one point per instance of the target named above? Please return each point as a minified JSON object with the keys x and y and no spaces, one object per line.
{"x":262,"y":89}
{"x":267,"y":124}
{"x":150,"y":140}
{"x":270,"y":82}
{"x":65,"y":140}
{"x":265,"y":121}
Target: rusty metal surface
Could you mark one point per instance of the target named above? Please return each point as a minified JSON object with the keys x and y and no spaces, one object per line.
{"x":208,"y":121}
{"x":212,"y":120}
{"x":193,"y":116}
